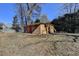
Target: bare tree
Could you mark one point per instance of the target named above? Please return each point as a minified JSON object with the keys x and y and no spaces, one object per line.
{"x":15,"y":21}
{"x":26,"y":11}
{"x":15,"y":24}
{"x":21,"y":11}
{"x":33,"y":10}
{"x":70,"y":7}
{"x":76,"y":7}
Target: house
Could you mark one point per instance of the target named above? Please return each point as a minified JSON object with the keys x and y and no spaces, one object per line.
{"x":5,"y":29}
{"x":40,"y":28}
{"x":2,"y":27}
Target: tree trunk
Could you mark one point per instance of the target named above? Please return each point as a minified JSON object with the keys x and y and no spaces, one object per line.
{"x":25,"y":27}
{"x":22,"y":25}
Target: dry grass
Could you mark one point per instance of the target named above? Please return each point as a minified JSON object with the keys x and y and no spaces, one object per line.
{"x":27,"y":44}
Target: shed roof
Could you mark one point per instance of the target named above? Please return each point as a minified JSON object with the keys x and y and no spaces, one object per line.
{"x":38,"y":23}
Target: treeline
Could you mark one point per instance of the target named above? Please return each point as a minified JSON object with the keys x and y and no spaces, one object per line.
{"x":67,"y":23}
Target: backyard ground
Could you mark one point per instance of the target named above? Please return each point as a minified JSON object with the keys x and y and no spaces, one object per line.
{"x":23,"y":44}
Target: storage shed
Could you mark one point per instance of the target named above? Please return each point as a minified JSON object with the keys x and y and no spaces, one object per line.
{"x":40,"y":28}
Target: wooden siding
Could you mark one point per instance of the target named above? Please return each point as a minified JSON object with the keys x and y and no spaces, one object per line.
{"x":40,"y":29}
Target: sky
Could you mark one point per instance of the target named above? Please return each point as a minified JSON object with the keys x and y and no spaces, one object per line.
{"x":7,"y":11}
